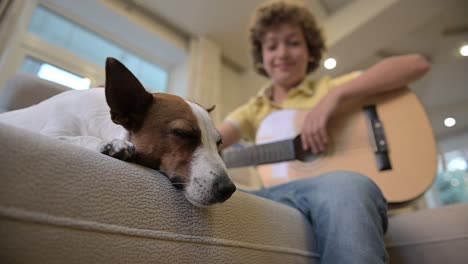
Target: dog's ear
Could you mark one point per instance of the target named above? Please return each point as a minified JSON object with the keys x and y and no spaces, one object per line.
{"x":211,"y":108}
{"x":127,"y":98}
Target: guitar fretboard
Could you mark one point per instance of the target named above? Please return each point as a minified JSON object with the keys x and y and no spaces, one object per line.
{"x":260,"y":154}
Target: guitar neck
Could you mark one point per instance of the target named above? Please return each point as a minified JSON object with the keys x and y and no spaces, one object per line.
{"x":278,"y":151}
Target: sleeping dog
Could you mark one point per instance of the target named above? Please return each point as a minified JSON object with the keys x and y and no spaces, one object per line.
{"x":156,"y":130}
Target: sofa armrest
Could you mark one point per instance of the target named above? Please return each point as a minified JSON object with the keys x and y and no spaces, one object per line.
{"x":23,"y":90}
{"x":60,"y":203}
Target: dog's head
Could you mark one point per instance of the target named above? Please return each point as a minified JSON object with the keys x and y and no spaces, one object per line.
{"x":170,"y":134}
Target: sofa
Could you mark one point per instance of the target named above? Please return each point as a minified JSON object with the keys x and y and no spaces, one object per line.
{"x":60,"y":203}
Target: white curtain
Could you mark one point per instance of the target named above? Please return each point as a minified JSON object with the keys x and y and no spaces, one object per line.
{"x":205,"y":74}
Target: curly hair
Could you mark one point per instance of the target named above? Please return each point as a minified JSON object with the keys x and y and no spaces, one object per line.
{"x":277,"y":13}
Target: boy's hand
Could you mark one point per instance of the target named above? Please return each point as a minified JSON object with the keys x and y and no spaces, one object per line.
{"x":314,"y":135}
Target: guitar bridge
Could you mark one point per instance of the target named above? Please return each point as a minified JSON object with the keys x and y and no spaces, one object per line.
{"x":377,"y":138}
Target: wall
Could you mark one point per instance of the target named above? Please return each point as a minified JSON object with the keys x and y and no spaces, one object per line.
{"x":455,"y":142}
{"x":7,"y":24}
{"x":237,"y":88}
{"x":12,"y":30}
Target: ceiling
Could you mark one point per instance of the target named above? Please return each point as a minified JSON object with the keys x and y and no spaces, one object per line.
{"x":224,"y":21}
{"x":346,"y":23}
{"x":331,"y":6}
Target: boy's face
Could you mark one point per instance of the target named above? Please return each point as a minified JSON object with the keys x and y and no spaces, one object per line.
{"x":285,"y":55}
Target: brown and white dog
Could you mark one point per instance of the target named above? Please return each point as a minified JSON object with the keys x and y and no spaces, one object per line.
{"x":160,"y":131}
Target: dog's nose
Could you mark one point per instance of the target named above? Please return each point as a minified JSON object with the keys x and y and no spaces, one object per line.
{"x":223,"y":188}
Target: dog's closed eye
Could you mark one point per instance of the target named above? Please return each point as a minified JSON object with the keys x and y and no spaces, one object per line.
{"x":184,"y":133}
{"x":183,"y":129}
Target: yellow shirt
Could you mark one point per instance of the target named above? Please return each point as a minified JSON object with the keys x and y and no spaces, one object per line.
{"x":248,"y":117}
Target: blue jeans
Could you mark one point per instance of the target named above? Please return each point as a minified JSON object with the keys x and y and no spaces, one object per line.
{"x":348,"y":213}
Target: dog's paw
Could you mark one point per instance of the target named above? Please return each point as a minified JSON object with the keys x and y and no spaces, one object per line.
{"x":119,"y":149}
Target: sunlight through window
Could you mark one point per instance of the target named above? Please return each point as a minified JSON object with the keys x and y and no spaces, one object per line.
{"x":54,"y":74}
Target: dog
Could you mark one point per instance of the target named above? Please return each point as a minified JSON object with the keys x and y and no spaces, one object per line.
{"x":123,"y":120}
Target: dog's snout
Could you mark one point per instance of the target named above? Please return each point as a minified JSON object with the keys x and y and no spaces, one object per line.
{"x":223,"y":188}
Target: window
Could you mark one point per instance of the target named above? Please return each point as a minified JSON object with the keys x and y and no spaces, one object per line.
{"x":88,"y":45}
{"x":451,"y":183}
{"x":54,"y":74}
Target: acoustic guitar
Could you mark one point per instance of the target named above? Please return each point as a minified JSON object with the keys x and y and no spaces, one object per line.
{"x":386,"y":137}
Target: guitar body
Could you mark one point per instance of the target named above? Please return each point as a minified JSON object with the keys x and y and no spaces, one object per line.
{"x":410,"y":141}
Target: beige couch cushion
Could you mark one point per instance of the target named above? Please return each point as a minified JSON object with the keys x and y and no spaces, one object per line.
{"x":430,"y":236}
{"x":63,"y":204}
